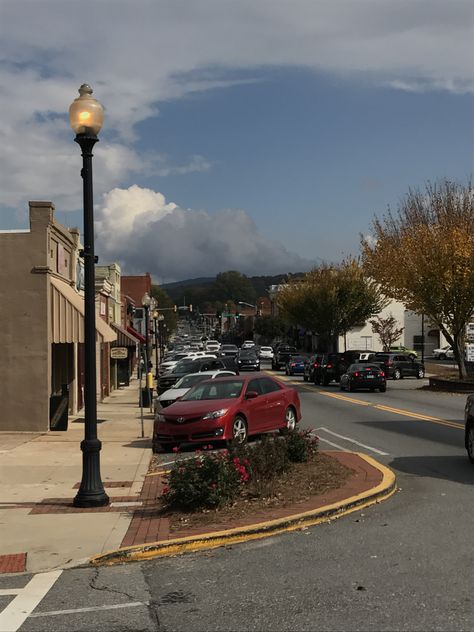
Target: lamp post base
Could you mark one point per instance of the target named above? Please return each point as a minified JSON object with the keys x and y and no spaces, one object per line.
{"x":91,"y":492}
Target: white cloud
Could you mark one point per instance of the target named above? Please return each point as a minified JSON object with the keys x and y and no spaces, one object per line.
{"x":138,"y":228}
{"x":142,"y":52}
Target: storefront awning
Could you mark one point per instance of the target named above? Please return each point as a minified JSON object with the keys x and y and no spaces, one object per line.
{"x":137,"y":334}
{"x":67,"y":316}
{"x":124,"y":339}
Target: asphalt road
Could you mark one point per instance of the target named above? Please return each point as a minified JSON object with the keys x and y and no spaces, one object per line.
{"x":406,"y":564}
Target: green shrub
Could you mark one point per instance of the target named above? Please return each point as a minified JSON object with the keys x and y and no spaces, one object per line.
{"x":211,"y":480}
{"x":301,"y":445}
{"x":265,"y":461}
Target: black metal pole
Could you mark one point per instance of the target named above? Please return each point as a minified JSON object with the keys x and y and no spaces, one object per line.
{"x":155,"y":322}
{"x":423,"y":338}
{"x":147,"y":336}
{"x":91,"y":492}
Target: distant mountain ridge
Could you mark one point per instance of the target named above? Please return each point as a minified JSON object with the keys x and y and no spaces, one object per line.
{"x":197,"y":290}
{"x":189,"y":282}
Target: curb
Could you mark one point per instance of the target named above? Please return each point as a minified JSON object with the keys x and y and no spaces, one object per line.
{"x":206,"y":541}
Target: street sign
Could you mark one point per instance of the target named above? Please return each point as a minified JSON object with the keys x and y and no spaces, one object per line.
{"x":119,"y":353}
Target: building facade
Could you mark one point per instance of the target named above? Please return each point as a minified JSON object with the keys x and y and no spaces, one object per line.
{"x":42,"y":310}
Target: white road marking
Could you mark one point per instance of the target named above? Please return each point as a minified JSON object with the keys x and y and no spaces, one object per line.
{"x":362,"y":445}
{"x":334,"y":445}
{"x":10,"y":591}
{"x":18,"y":610}
{"x":53,"y":613}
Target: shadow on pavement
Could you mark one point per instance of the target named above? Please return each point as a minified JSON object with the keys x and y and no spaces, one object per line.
{"x":449,"y":468}
{"x":139,"y":443}
{"x":420,"y":429}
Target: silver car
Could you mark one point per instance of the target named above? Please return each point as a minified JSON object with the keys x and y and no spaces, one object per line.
{"x":469,"y":432}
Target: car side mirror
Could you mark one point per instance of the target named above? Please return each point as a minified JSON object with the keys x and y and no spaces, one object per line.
{"x":251,"y":395}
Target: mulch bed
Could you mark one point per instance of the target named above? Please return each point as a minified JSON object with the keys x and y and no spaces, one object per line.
{"x":302,"y":482}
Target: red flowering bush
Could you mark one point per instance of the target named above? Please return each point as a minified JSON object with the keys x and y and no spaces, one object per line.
{"x":215,"y":479}
{"x":210,"y":480}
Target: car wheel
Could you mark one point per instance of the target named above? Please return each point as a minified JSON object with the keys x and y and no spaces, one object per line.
{"x":290,"y":420}
{"x":351,"y":388}
{"x":341,"y":387}
{"x":397,"y":374}
{"x":442,"y":356}
{"x":382,"y":389}
{"x":239,"y":431}
{"x":317,"y":381}
{"x":421,"y":374}
{"x":326,"y":381}
{"x":305,"y":377}
{"x":286,"y":371}
{"x":413,"y":357}
{"x":470,"y":442}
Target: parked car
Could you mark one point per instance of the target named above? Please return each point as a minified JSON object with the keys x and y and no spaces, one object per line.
{"x":183,"y":385}
{"x":310,"y":365}
{"x":229,"y":350}
{"x":443,"y":353}
{"x":247,"y":360}
{"x":229,"y":409}
{"x":401,"y":349}
{"x":185,"y":367}
{"x":281,"y":356}
{"x":212,"y":346}
{"x":248,"y":344}
{"x":469,"y":427}
{"x":363,"y":375}
{"x":295,"y":365}
{"x":265,"y":353}
{"x":330,"y":367}
{"x":398,"y":365}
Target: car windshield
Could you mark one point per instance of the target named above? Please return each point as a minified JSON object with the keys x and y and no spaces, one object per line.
{"x":382,"y":356}
{"x":185,"y":366}
{"x":190,"y":380}
{"x":247,"y":353}
{"x":265,"y":348}
{"x":214,"y":390}
{"x":229,"y":348}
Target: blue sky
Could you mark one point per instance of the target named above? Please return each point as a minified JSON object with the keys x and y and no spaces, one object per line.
{"x":254,"y":136}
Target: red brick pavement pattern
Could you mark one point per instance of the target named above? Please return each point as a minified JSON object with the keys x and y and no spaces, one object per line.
{"x":14,"y":563}
{"x":146,"y":525}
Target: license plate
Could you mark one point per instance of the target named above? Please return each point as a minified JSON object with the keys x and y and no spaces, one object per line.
{"x":370,"y":377}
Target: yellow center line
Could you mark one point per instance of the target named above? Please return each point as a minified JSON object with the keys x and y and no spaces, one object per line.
{"x":389,"y":409}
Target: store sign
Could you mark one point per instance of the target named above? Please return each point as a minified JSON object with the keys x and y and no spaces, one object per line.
{"x":119,"y":353}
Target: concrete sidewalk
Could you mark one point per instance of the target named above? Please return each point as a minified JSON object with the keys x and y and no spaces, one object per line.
{"x":39,"y":477}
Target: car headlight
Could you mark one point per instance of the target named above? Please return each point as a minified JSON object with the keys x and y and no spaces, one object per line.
{"x":160,"y":418}
{"x":215,"y":414}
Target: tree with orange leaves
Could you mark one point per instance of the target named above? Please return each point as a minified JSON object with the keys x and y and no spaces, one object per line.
{"x":423,"y":256}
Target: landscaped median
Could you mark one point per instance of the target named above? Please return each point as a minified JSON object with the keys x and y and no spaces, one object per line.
{"x":357,"y":482}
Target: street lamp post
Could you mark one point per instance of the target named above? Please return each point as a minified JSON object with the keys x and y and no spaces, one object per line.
{"x":156,"y":316}
{"x":146,"y":302}
{"x":86,"y":116}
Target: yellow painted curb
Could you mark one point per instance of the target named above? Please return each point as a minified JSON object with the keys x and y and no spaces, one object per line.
{"x":205,"y":541}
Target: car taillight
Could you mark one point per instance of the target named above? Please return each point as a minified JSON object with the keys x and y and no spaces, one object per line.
{"x":356,"y":374}
{"x":328,"y":366}
{"x":293,"y":364}
{"x":382,"y":374}
{"x":315,"y":365}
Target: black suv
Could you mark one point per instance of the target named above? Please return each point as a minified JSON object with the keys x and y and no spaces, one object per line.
{"x":282,"y":355}
{"x":195,"y":365}
{"x":331,"y":367}
{"x":399,"y":365}
{"x":310,"y":365}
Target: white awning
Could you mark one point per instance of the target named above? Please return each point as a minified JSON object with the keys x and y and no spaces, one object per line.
{"x":67,"y":316}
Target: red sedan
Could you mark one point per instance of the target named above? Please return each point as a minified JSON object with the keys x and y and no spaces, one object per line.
{"x":229,"y":409}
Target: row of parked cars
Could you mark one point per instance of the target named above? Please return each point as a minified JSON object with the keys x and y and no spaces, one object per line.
{"x":353,"y":369}
{"x":204,"y":398}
